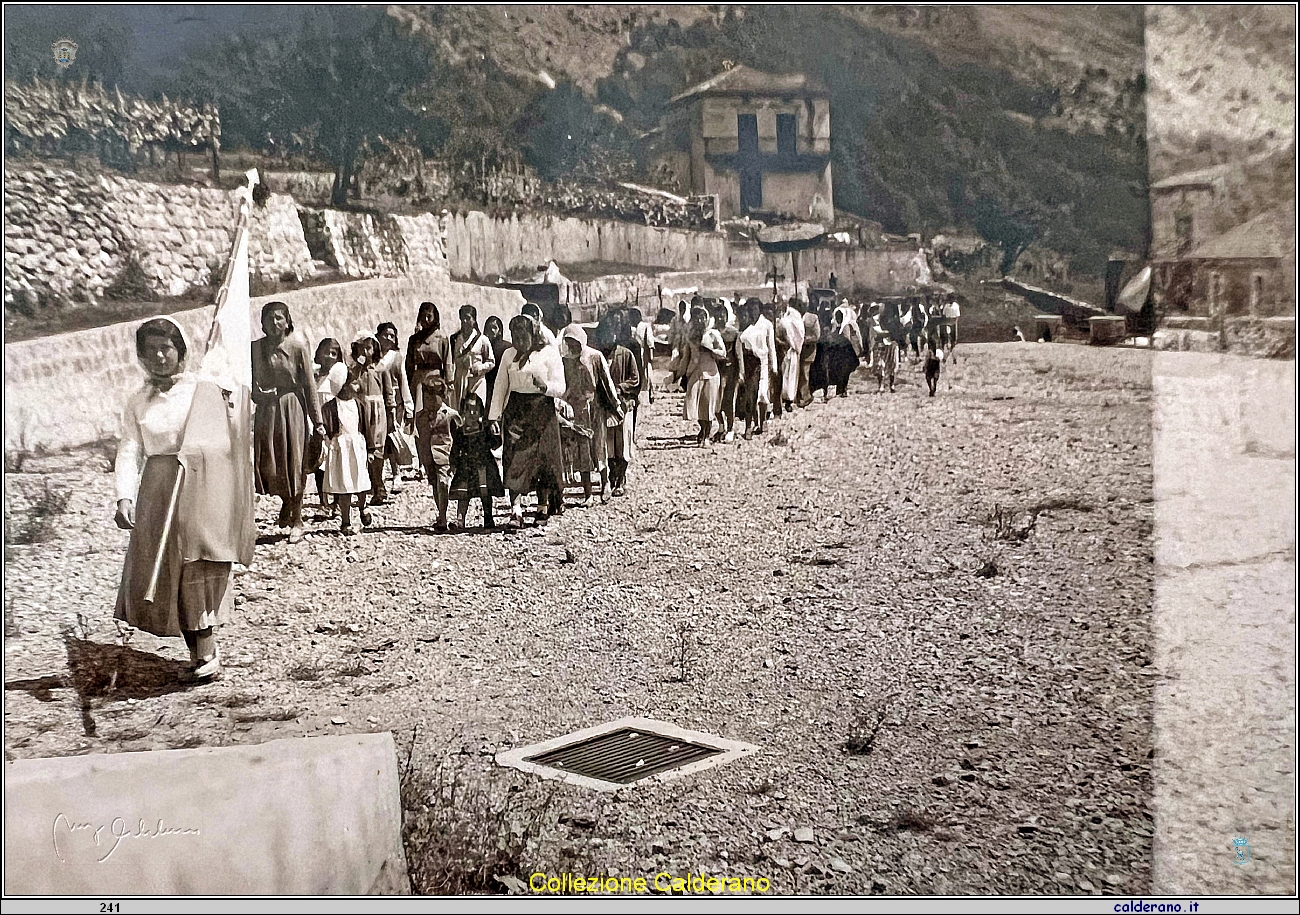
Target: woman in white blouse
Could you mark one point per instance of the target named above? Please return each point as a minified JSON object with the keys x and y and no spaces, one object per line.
{"x":177,"y":577}
{"x":523,"y":412}
{"x":472,"y":359}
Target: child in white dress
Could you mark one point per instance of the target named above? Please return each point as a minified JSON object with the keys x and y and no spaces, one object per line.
{"x":347,"y":452}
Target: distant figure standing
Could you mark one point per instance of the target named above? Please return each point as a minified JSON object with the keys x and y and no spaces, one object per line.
{"x":833,"y":282}
{"x":933,"y":362}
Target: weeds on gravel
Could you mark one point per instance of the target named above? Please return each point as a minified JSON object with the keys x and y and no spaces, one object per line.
{"x":41,"y":520}
{"x":910,"y":819}
{"x":305,"y":672}
{"x":464,"y":829}
{"x":1007,"y":527}
{"x":685,"y":650}
{"x":868,"y":725}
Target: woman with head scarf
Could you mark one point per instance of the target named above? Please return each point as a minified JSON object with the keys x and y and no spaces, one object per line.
{"x":790,"y":327}
{"x":703,"y":378}
{"x":495,"y":332}
{"x":582,"y":433}
{"x":428,"y":351}
{"x":287,"y":413}
{"x":472,"y":359}
{"x":186,"y":527}
{"x":523,"y":413}
{"x":729,"y":369}
{"x":393,"y":365}
{"x":843,"y":346}
{"x":620,"y":430}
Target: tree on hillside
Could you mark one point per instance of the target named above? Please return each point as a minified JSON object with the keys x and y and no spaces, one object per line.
{"x":345,"y":78}
{"x":563,"y":135}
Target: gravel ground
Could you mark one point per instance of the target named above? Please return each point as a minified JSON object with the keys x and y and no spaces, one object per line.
{"x":841,"y":573}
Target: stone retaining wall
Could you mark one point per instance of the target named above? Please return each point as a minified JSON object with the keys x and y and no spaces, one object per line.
{"x":1269,"y":338}
{"x":71,"y":235}
{"x":364,"y":244}
{"x":482,"y":247}
{"x":66,"y":390}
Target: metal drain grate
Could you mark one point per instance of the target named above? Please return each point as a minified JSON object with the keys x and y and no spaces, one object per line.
{"x":624,"y":756}
{"x":621,"y":753}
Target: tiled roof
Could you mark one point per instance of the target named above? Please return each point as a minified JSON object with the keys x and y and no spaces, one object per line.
{"x":747,"y":79}
{"x":1270,"y":234}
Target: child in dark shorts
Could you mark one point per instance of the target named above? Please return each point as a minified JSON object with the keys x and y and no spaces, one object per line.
{"x":933,"y":362}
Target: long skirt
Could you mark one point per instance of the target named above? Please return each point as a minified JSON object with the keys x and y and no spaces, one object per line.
{"x":817,"y":372}
{"x":189,"y":595}
{"x":532,"y":454}
{"x":280,"y":446}
{"x":790,"y":375}
{"x":840,"y":363}
{"x":621,"y":443}
{"x":730,"y":388}
{"x":703,"y":392}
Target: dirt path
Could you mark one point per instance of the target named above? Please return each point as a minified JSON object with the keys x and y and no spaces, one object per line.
{"x":1225,"y":624}
{"x":841,"y":573}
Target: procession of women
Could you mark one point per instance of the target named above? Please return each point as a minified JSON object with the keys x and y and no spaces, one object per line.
{"x":543,"y":416}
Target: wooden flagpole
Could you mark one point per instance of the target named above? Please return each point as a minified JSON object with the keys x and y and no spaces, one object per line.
{"x":241,"y":228}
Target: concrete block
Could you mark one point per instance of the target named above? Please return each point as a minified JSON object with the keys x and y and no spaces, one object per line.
{"x":310,"y":816}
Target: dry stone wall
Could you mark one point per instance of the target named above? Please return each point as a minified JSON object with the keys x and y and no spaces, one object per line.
{"x":71,"y":235}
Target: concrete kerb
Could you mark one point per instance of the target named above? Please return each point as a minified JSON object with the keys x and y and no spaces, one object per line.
{"x":305,"y":816}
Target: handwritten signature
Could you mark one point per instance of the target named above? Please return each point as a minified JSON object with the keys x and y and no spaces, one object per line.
{"x":117,"y":831}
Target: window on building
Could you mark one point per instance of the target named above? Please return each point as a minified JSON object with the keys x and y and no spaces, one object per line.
{"x":747,"y":135}
{"x":786,"y":128}
{"x":1256,"y":292}
{"x":1183,"y":232}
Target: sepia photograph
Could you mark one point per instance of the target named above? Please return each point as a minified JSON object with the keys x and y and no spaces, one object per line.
{"x":530,"y":452}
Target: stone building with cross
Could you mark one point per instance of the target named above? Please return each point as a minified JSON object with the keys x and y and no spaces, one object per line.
{"x":760,"y":142}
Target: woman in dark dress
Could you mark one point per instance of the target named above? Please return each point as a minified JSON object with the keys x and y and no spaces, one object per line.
{"x":495,"y":332}
{"x":529,"y":380}
{"x":287,"y":413}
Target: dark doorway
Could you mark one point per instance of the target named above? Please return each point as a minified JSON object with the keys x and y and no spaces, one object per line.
{"x":747,"y":135}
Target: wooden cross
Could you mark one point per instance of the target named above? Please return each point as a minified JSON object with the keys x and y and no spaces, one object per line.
{"x":774,"y":276}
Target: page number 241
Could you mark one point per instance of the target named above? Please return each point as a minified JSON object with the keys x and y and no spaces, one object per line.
{"x":115,"y":907}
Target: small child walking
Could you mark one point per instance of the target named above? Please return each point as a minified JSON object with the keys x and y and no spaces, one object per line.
{"x":331,"y":374}
{"x":435,"y":424}
{"x":348,"y":450}
{"x":376,"y":398}
{"x":933,"y":362}
{"x":474,"y":468}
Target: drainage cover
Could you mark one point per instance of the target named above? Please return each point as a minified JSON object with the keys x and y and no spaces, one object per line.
{"x":621,"y":753}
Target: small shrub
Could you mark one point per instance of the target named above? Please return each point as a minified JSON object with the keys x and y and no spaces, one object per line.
{"x":1007,"y":526}
{"x":911,"y":820}
{"x":463,"y":829}
{"x":41,"y":520}
{"x":868,"y":725}
{"x":305,"y":672}
{"x":131,"y":283}
{"x":685,"y":650}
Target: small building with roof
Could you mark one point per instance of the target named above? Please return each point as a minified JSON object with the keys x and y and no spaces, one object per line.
{"x":760,"y":142}
{"x":1248,"y":271}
